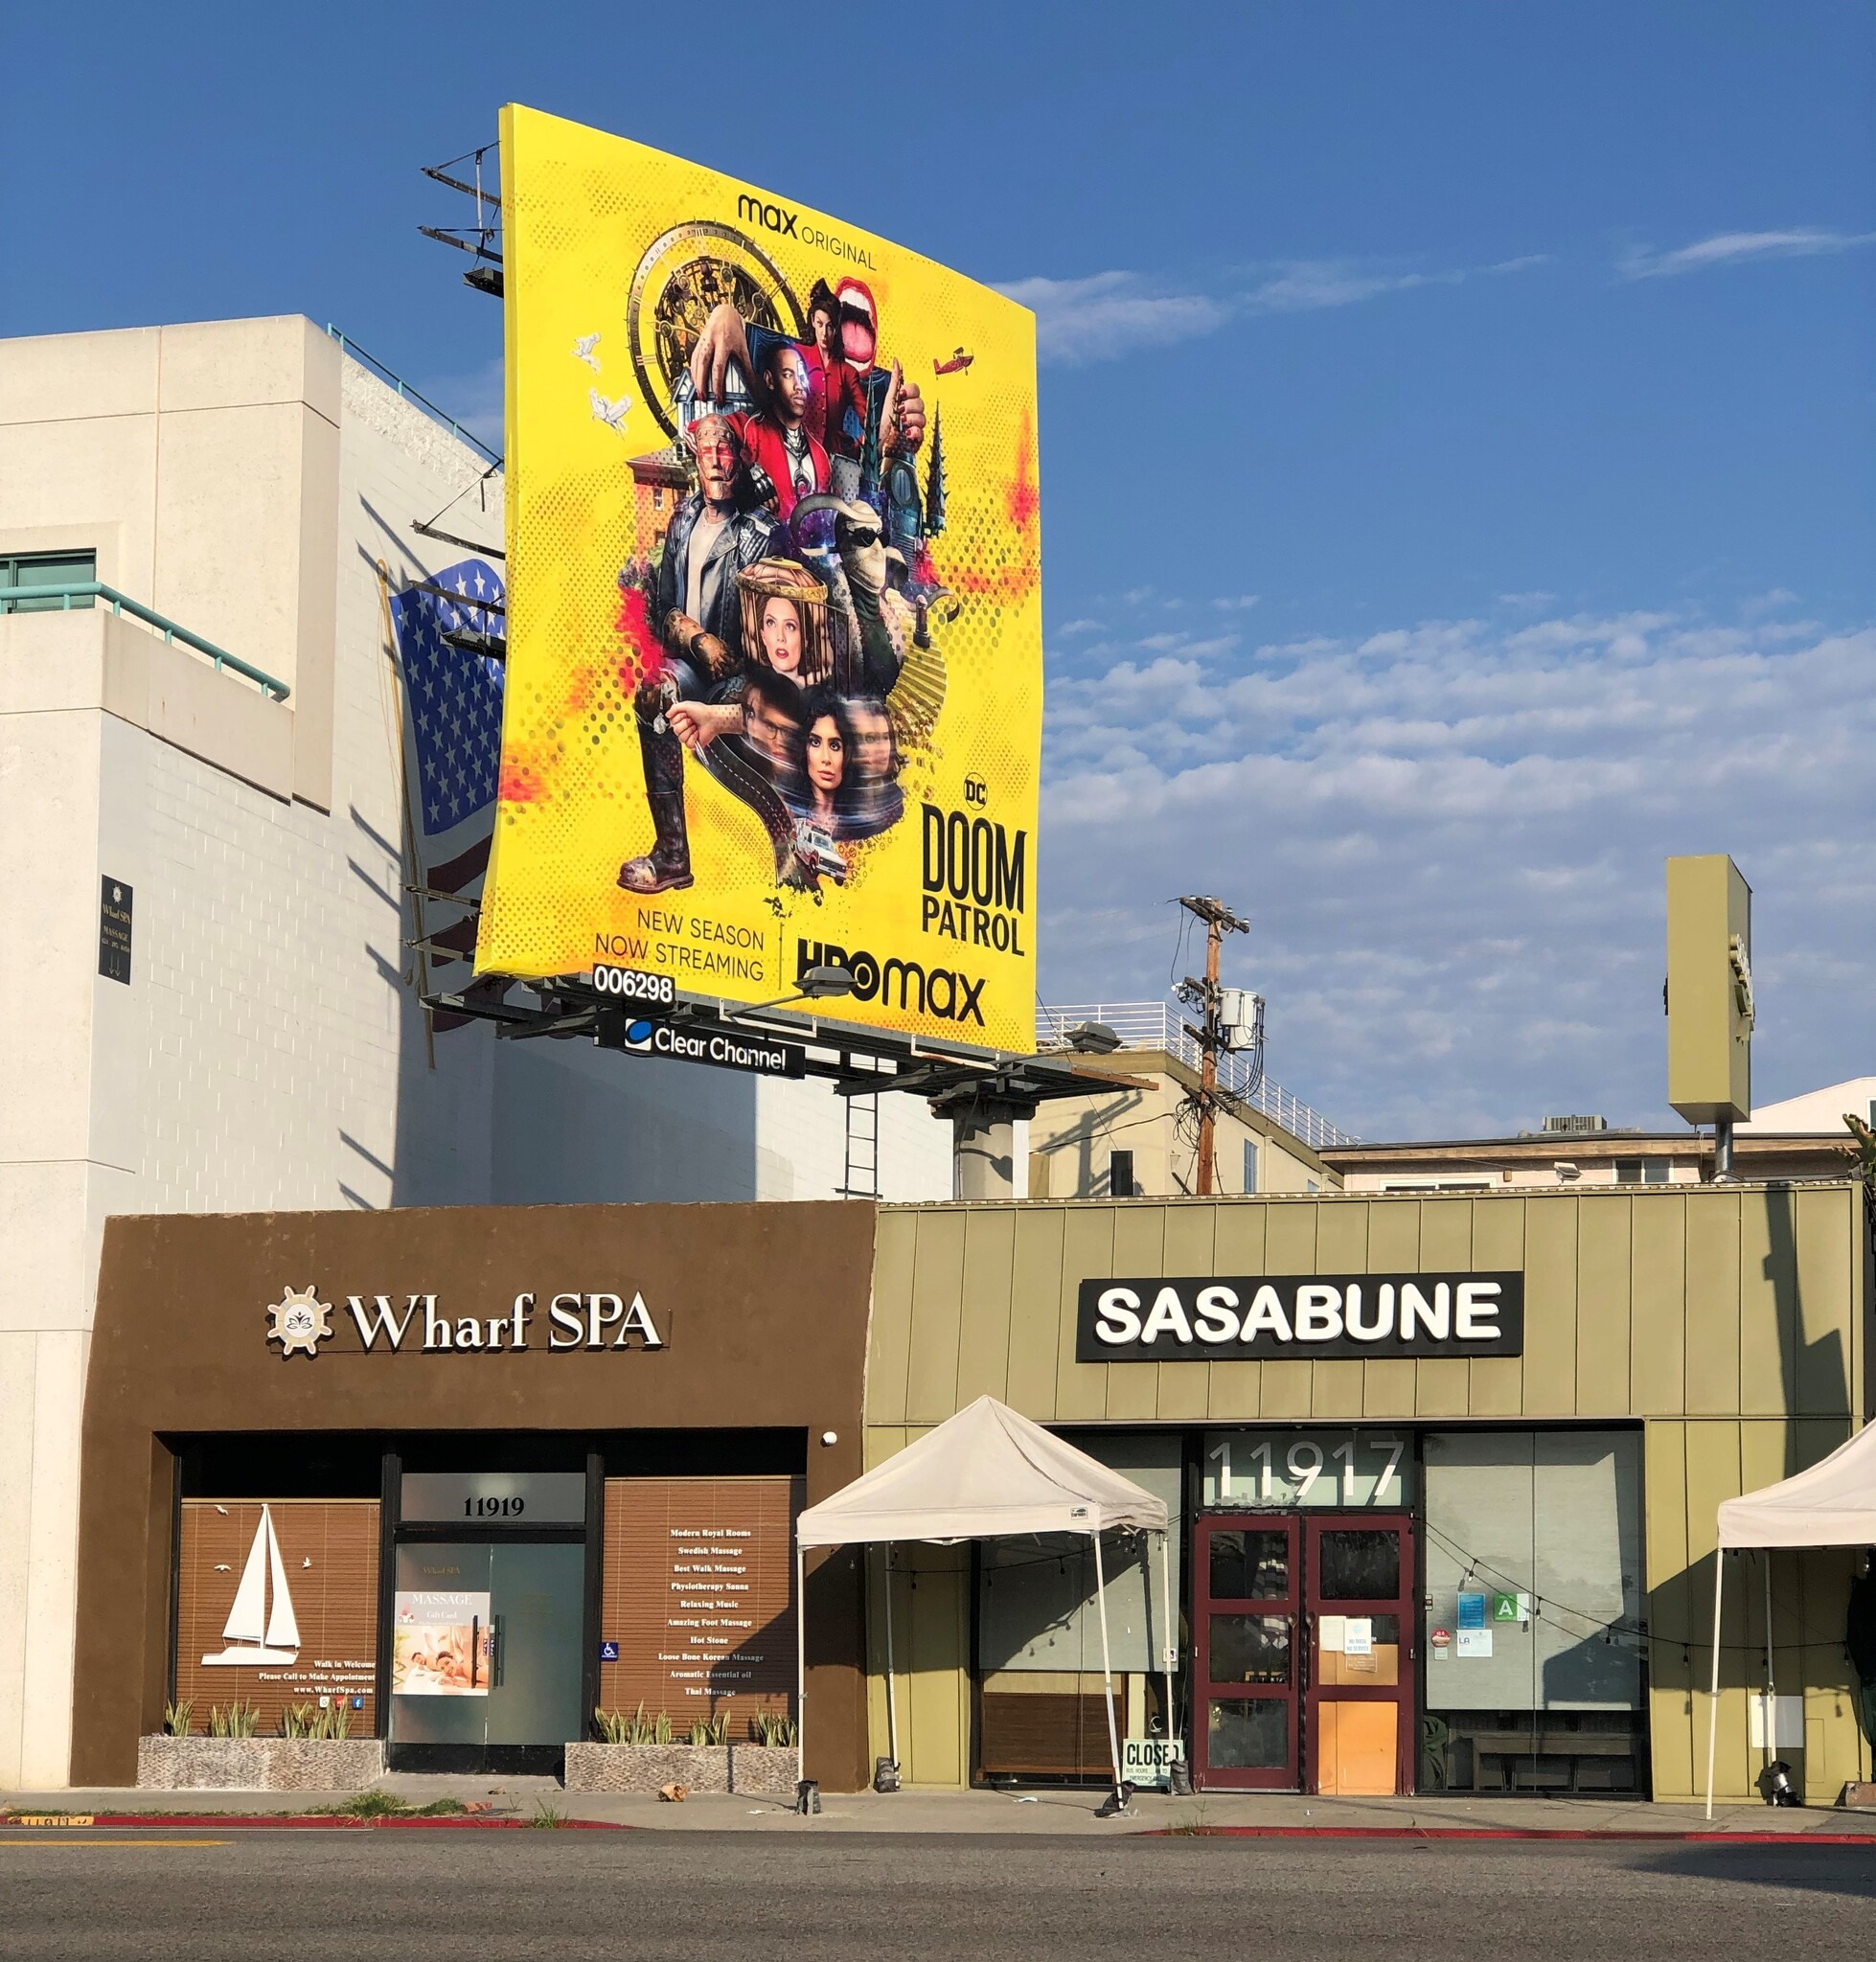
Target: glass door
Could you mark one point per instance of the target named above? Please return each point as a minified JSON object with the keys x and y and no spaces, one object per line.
{"x":486,"y":1652}
{"x":1359,"y":1612}
{"x":1246,"y":1651}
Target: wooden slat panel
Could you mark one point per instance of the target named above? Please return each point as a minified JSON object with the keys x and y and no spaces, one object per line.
{"x":889,"y":1337}
{"x":1236,"y":1389}
{"x":1190,"y":1248}
{"x":1671,"y":1669}
{"x":1442,"y":1384}
{"x":698,"y":1593}
{"x":1714,"y":1475}
{"x":1603,"y":1265}
{"x":1139,"y":1249}
{"x":1290,"y":1248}
{"x":937,"y":1312}
{"x":1713,"y":1256}
{"x":1034,"y":1327}
{"x":1826,"y":1246}
{"x":1341,"y":1247}
{"x":1551,"y":1305}
{"x":329,"y":1548}
{"x":1498,"y":1244}
{"x":1658,"y":1338}
{"x":1768,"y":1312}
{"x":983,"y":1351}
{"x":1393,"y":1248}
{"x":1087,"y":1249}
{"x":1046,"y":1734}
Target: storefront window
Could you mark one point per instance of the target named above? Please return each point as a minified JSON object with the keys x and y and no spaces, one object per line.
{"x":1354,"y":1565}
{"x":1249,"y":1735}
{"x":1250,"y":1567}
{"x":1535,"y":1676}
{"x":1250,"y":1648}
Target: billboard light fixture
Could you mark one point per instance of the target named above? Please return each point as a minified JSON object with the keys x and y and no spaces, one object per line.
{"x":818,"y":984}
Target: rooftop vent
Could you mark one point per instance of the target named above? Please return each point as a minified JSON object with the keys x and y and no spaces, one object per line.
{"x":1575,"y":1124}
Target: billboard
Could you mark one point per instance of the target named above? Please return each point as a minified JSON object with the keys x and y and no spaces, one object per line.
{"x":774,"y":633}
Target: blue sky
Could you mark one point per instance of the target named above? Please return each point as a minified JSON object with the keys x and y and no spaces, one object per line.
{"x":1457,"y":442}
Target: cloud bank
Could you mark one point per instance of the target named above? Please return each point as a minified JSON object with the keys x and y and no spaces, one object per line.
{"x":1448,"y":839}
{"x":1734,"y":249}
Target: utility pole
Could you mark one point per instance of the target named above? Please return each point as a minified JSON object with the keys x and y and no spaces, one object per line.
{"x":1220,"y":920}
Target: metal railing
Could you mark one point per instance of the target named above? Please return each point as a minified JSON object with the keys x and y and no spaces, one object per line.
{"x":121,"y":603}
{"x":1159,"y":1025}
{"x":392,"y":379}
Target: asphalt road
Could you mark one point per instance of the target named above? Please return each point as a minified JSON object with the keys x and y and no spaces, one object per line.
{"x":486,"y":1897}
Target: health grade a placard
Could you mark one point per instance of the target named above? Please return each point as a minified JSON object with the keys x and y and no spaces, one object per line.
{"x":775,"y":669}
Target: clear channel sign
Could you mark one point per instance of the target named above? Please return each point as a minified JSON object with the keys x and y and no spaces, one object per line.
{"x":1346,"y":1470}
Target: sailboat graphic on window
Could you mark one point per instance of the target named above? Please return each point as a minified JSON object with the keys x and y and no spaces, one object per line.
{"x":254,"y":1631}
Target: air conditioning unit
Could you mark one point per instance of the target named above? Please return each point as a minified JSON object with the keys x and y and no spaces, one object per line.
{"x":1575,"y":1124}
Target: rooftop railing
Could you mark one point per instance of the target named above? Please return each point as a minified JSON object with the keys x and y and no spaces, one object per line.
{"x":64,"y":598}
{"x":1159,"y":1025}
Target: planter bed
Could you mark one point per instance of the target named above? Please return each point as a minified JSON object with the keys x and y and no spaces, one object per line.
{"x":644,"y":1767}
{"x":259,"y":1764}
{"x":769,"y":1770}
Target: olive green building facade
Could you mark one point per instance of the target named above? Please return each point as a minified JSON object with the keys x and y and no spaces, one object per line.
{"x":1695,"y":1341}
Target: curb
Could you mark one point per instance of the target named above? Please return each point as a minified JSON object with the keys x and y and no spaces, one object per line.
{"x":308,"y":1822}
{"x":1623,"y":1835}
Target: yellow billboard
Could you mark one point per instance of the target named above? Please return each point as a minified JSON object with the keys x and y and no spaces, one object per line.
{"x":775,"y":636}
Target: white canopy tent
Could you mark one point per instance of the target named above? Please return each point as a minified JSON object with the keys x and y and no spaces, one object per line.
{"x":985,"y":1473}
{"x":1830,"y":1503}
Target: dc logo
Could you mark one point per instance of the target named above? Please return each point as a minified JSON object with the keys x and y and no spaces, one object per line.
{"x":977,"y":791}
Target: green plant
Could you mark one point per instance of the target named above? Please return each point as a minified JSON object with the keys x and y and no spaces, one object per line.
{"x":366,"y":1805}
{"x":297,"y":1720}
{"x":772,"y":1729}
{"x":545,"y":1815}
{"x":661,"y":1728}
{"x":613,"y":1726}
{"x":237,"y":1720}
{"x":709,"y":1730}
{"x":333,"y":1723}
{"x":176,"y":1717}
{"x":440,"y":1809}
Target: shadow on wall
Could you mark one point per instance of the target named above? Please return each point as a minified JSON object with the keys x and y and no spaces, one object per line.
{"x":1077,"y":1142}
{"x":1815,"y":1374}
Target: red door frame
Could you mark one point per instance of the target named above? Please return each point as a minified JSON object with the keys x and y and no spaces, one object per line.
{"x":1284,"y":1777}
{"x":1407,"y":1622}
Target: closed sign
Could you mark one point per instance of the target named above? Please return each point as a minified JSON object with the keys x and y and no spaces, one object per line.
{"x":1146,"y":1761}
{"x":1264,"y":1318}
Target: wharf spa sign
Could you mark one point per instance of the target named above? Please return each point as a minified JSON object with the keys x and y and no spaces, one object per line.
{"x":1213,"y":1320}
{"x":300,"y":1322}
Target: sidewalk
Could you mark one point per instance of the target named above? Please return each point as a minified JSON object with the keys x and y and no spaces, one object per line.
{"x":930,"y":1811}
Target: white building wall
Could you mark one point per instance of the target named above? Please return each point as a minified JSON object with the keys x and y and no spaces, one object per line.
{"x":269,"y":1053}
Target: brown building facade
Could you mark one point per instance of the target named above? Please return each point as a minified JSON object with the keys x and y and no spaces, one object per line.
{"x":466,"y":1474}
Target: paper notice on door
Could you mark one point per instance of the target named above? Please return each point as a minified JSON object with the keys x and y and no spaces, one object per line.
{"x":1359,"y":1635}
{"x":1331,"y":1634}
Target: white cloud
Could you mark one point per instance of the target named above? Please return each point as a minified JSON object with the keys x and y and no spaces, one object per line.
{"x":1111,"y":313}
{"x":1732,"y":249}
{"x":1449,"y":838}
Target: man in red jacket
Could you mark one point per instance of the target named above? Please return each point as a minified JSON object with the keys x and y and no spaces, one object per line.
{"x":778,"y":440}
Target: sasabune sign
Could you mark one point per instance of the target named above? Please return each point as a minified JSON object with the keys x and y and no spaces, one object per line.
{"x":1267,"y":1317}
{"x":774,"y":625}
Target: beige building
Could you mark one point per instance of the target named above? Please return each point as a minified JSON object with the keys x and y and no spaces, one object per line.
{"x":1524,"y":1540}
{"x":1145,"y":1140}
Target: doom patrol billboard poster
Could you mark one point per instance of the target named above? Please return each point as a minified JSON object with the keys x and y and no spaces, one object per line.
{"x":774,"y":652}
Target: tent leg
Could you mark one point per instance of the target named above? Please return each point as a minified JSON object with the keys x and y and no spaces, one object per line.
{"x":1713,"y":1689}
{"x":1168,"y":1644}
{"x":801,"y":1655}
{"x":1107,"y":1663}
{"x":892,"y":1704}
{"x":1770,"y":1679}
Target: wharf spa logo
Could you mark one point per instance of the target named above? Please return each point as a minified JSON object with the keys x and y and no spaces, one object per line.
{"x":1214,"y":1319}
{"x":300,"y":1322}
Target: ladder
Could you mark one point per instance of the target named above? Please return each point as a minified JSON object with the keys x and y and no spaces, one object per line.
{"x":861,"y":1177}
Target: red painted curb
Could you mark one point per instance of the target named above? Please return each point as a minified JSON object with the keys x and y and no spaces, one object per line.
{"x":1624,"y":1835}
{"x":314,"y":1822}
